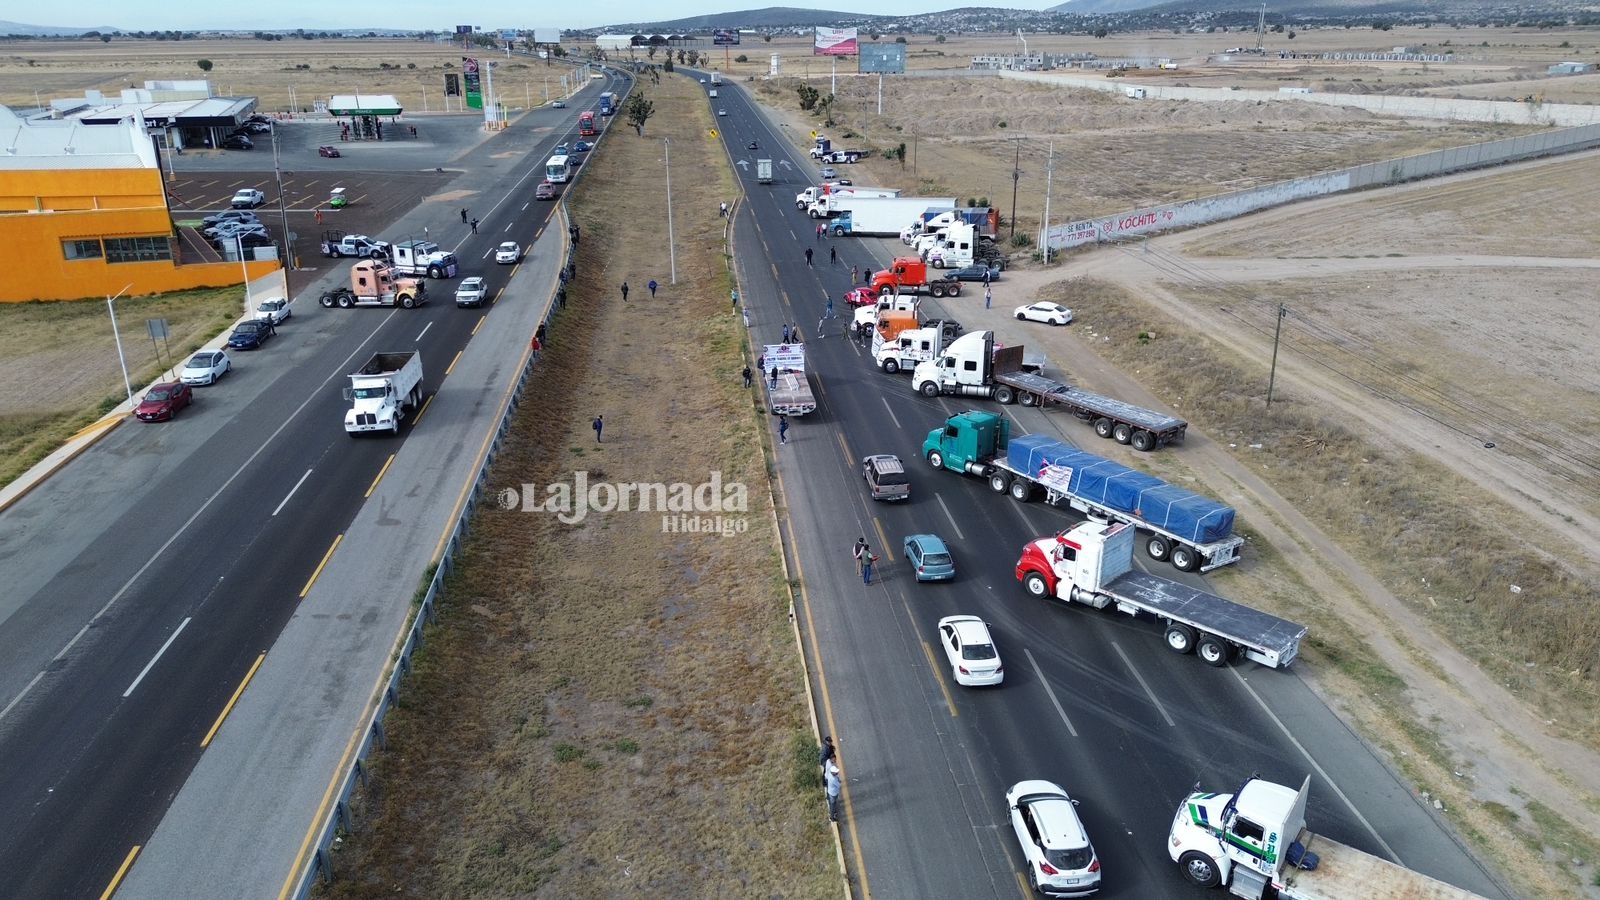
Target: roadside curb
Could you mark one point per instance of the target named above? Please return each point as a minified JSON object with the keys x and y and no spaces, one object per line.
{"x":41,"y":471}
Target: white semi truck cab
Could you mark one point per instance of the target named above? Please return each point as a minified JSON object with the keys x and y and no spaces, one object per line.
{"x":383,"y":391}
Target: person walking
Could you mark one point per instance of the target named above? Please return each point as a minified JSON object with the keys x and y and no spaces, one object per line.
{"x":833,"y":785}
{"x":867,"y":560}
{"x":598,"y":426}
{"x":821,"y":230}
{"x":722,"y":212}
{"x":652,"y":286}
{"x":463,"y":215}
{"x":860,"y":552}
{"x":761,"y":363}
{"x":833,"y":256}
{"x":783,"y":429}
{"x":786,"y":332}
{"x":855,"y":274}
{"x":747,"y":376}
{"x":474,"y":226}
{"x":624,"y":292}
{"x":774,"y":377}
{"x":735,"y":295}
{"x":988,"y":296}
{"x":808,"y":257}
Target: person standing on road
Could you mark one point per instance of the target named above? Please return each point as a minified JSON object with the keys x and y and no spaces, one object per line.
{"x":598,"y":425}
{"x":474,"y":226}
{"x":988,"y":296}
{"x":855,"y":274}
{"x":808,"y":257}
{"x":867,"y":559}
{"x":860,"y":552}
{"x":786,"y":332}
{"x":821,"y":230}
{"x":774,"y":377}
{"x":783,"y":429}
{"x":463,"y":215}
{"x":833,"y":256}
{"x":624,"y":292}
{"x":652,"y":286}
{"x":833,"y":786}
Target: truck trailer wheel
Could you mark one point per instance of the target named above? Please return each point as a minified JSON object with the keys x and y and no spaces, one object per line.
{"x":1158,"y":548}
{"x":1027,"y":398}
{"x":1213,"y":651}
{"x":1199,"y":869}
{"x":936,"y":459}
{"x":1180,"y":638}
{"x":936,"y":289}
{"x":1185,"y":559}
{"x":891,"y":366}
{"x":1143,"y":441}
{"x":955,"y":288}
{"x":1035,"y":585}
{"x":344,"y":300}
{"x":1021,"y":491}
{"x":1122,"y":433}
{"x":1004,"y":395}
{"x":999,"y":482}
{"x":1102,"y":427}
{"x":929,"y":389}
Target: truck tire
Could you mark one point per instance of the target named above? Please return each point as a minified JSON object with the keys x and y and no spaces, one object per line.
{"x":1184,"y":558}
{"x":435,"y":272}
{"x":1143,"y":441}
{"x":1213,"y":651}
{"x":838,"y":231}
{"x":1027,"y":398}
{"x":1158,"y":548}
{"x":1035,"y":585}
{"x":999,"y":482}
{"x":1004,"y":395}
{"x":407,"y":301}
{"x":936,"y":289}
{"x":886,"y":291}
{"x":929,"y":389}
{"x":377,"y":253}
{"x":955,"y":289}
{"x":1122,"y":433}
{"x":344,"y":300}
{"x":1180,"y":638}
{"x":326,"y":300}
{"x":1021,"y":491}
{"x":1102,"y":426}
{"x":891,"y":366}
{"x":936,"y":459}
{"x":1200,"y":869}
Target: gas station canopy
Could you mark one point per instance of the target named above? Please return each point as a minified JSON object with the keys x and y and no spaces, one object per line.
{"x":364,"y":105}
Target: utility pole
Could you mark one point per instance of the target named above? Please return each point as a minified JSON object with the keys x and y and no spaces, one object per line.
{"x":283,"y":212}
{"x":1044,"y":226}
{"x":672,"y":244}
{"x":1016,"y":175}
{"x":1273,"y":375}
{"x":126,"y":382}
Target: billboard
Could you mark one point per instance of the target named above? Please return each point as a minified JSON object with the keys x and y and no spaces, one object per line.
{"x":547,"y":35}
{"x":834,"y":42}
{"x":887,"y":59}
{"x":473,"y":82}
{"x":725,"y":36}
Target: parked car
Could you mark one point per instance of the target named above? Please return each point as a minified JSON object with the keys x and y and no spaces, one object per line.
{"x":273,"y":311}
{"x":929,"y":558}
{"x":1048,"y":313}
{"x":259,"y":118}
{"x":582,"y":147}
{"x":471,"y":291}
{"x":974,"y":272}
{"x":974,"y":662}
{"x":1061,"y":861}
{"x":829,"y":172}
{"x":232,"y":215}
{"x":248,"y":239}
{"x":205,"y":367}
{"x":329,"y":151}
{"x":237,"y":142}
{"x":227,"y":231}
{"x":545,"y":191}
{"x":163,"y":401}
{"x":253,"y":127}
{"x":251,"y":335}
{"x":841,"y":182}
{"x":248,"y":198}
{"x":508,"y":252}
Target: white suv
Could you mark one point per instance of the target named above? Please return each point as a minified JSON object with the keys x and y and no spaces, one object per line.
{"x":471,"y":291}
{"x":1061,"y":861}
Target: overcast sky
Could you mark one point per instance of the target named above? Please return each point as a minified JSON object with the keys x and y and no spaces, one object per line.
{"x":164,"y":15}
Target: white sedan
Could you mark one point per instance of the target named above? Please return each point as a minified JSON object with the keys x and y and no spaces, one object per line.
{"x":1048,"y":313}
{"x":967,"y":645}
{"x":508,"y":252}
{"x":1061,"y":861}
{"x":205,"y":367}
{"x":722,"y":112}
{"x":274,"y":310}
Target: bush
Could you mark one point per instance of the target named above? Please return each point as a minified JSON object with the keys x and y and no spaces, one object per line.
{"x":741,"y":58}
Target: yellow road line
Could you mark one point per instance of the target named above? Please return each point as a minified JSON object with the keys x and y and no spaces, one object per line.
{"x":1022,"y":885}
{"x":452,"y":367}
{"x":237,"y":693}
{"x":483,"y":319}
{"x":381,"y":472}
{"x":122,"y":872}
{"x":325,"y":557}
{"x":425,"y":404}
{"x":933,"y":663}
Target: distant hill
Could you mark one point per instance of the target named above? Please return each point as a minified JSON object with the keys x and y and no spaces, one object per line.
{"x":1101,"y":7}
{"x":52,"y":30}
{"x":770,"y":17}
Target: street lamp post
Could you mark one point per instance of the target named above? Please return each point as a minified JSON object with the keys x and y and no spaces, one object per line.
{"x":123,"y":360}
{"x":1016,"y":175}
{"x":672,"y":245}
{"x":283,"y":212}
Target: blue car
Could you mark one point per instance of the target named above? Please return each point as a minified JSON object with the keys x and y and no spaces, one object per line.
{"x":251,"y":335}
{"x":929,"y":558}
{"x":582,"y":147}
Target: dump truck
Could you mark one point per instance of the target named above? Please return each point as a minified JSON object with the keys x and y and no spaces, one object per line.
{"x":763,"y":171}
{"x":375,"y":283}
{"x":789,"y":393}
{"x":423,"y":258}
{"x":1191,"y":531}
{"x":909,"y":275}
{"x":383,"y":391}
{"x":1092,"y":563}
{"x":972,"y":367}
{"x":1255,"y":842}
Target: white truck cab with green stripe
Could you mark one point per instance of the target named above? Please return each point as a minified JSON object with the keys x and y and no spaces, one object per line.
{"x":1256,"y":843}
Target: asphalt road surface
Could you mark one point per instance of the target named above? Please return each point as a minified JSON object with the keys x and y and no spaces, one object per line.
{"x":1092,"y":699}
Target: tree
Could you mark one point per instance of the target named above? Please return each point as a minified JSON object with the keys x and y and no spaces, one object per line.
{"x":900,"y":40}
{"x":1290,"y":35}
{"x":639,"y":111}
{"x":938,"y":39}
{"x":825,"y":106}
{"x":105,"y":38}
{"x":900,"y":154}
{"x":766,"y":38}
{"x":650,"y":53}
{"x":666,"y":65}
{"x":204,"y":64}
{"x":1101,"y":32}
{"x":873,"y":34}
{"x":808,"y":96}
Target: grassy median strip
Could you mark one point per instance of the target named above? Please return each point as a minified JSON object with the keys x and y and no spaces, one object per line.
{"x":612,"y":702}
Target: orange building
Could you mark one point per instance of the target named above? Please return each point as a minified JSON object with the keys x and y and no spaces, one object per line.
{"x":83,"y":213}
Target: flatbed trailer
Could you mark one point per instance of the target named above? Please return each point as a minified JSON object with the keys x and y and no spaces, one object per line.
{"x":1124,"y":422}
{"x":790,"y":394}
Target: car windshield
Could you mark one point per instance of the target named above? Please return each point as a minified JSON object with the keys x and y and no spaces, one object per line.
{"x":200,"y":362}
{"x":977,"y":651}
{"x":368,"y":393}
{"x":246,"y":329}
{"x":159,"y":394}
{"x":272,"y":304}
{"x":936,"y":559}
{"x":1071,"y":859}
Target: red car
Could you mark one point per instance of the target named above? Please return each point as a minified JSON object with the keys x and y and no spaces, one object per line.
{"x":331,"y":152}
{"x":545,"y":191}
{"x":861,"y":297}
{"x":163,"y":401}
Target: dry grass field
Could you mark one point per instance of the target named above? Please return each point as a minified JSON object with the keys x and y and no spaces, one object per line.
{"x":608,"y":710}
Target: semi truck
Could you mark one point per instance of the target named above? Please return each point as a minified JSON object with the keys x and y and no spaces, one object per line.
{"x":957,"y":247}
{"x":806,"y":198}
{"x":873,"y":215}
{"x":1255,"y":842}
{"x":973,"y":368}
{"x":423,"y":258}
{"x":608,"y":103}
{"x":986,"y":219}
{"x":790,"y":393}
{"x":902,"y":352}
{"x":909,"y":275}
{"x":716,"y":77}
{"x":1193,"y":532}
{"x":763,"y":171}
{"x":1092,"y":563}
{"x":376,"y":283}
{"x":383,"y":391}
